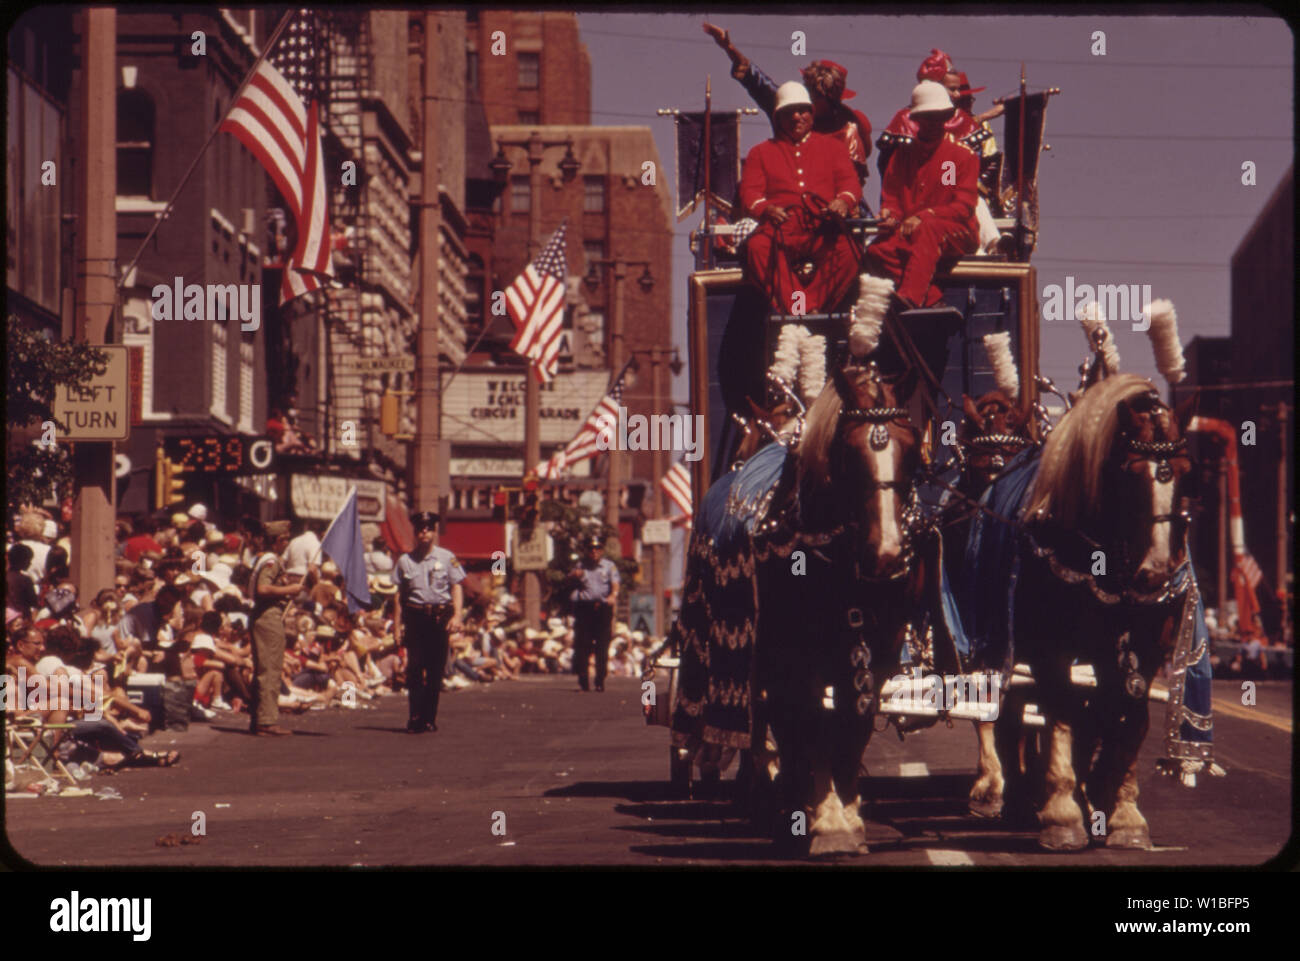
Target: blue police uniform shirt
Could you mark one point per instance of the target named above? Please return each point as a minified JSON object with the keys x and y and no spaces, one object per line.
{"x":429,"y":581}
{"x":597,"y":582}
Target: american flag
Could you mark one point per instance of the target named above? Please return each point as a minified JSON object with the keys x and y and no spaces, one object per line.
{"x":271,"y":120}
{"x":1250,"y":571}
{"x":676,"y":485}
{"x":536,"y":304}
{"x":584,"y":444}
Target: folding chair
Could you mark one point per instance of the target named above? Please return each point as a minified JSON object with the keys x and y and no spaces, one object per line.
{"x":31,"y":741}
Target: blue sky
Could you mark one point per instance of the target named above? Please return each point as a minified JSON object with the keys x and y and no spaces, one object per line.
{"x":1143,"y":181}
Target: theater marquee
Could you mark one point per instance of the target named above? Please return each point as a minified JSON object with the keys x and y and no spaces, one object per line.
{"x":487,"y":407}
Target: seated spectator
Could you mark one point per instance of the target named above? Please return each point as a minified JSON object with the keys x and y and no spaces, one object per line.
{"x":20,"y":589}
{"x":142,"y":543}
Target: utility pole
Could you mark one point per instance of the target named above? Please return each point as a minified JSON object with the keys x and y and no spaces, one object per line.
{"x":657,"y":500}
{"x":617,"y":359}
{"x":536,"y":147}
{"x":96,"y":252}
{"x":428,"y":390}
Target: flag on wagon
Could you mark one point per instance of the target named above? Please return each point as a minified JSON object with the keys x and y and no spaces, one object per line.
{"x":585,"y":443}
{"x":272,"y":121}
{"x":1250,"y":570}
{"x":536,"y":304}
{"x":676,"y":485}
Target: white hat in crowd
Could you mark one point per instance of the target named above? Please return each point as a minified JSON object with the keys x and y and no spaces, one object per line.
{"x":199,"y":512}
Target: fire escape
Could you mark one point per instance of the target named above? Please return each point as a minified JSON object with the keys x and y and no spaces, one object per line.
{"x":345,"y":83}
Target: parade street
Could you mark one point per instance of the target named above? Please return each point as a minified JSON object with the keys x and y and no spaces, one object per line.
{"x":571,"y":778}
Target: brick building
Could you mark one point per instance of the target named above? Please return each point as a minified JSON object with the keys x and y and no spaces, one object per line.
{"x":528,"y":67}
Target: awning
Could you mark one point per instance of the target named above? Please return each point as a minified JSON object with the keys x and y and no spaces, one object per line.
{"x":474,"y":540}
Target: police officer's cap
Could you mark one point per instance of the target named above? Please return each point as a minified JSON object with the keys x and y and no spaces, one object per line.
{"x":595,"y":541}
{"x":426,"y":520}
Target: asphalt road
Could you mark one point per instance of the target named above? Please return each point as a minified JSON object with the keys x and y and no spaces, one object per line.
{"x":573,"y":778}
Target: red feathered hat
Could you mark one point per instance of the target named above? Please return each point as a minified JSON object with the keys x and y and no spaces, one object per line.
{"x":965,"y":87}
{"x":934,"y":67}
{"x":842,"y":74}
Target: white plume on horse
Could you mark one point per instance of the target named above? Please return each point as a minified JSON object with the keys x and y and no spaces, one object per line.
{"x":801,"y":356}
{"x":812,"y":366}
{"x":1163,"y":331}
{"x":786,"y":365}
{"x":868,"y":314}
{"x":1093,"y":319}
{"x":1005,"y":375}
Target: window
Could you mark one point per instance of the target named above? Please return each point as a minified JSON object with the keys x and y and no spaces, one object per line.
{"x":135,"y":125}
{"x":592,"y":250}
{"x":521,"y":196}
{"x":529,"y":70}
{"x":218,"y":408}
{"x":528,"y":117}
{"x":593,"y":195}
{"x":471,"y":70}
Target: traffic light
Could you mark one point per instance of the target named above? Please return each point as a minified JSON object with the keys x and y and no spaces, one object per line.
{"x":169,"y":481}
{"x":388,"y":414}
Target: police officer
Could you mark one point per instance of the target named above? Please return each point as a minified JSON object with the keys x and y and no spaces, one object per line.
{"x":593,"y":597}
{"x":429,"y":604}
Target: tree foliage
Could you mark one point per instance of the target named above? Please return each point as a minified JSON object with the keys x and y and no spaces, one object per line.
{"x":37,"y":367}
{"x":570,"y":526}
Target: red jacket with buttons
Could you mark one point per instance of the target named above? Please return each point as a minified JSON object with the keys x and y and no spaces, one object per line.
{"x":778,"y":171}
{"x":913,"y":182}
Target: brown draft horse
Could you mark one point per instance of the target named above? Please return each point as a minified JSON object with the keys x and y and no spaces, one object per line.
{"x":993,"y":432}
{"x":836,"y":585}
{"x":1104,"y":499}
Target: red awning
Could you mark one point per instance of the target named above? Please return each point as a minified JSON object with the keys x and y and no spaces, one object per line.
{"x":473,"y":539}
{"x":396,"y":526}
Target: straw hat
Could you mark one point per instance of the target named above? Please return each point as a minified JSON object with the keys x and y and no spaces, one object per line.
{"x":181,"y":520}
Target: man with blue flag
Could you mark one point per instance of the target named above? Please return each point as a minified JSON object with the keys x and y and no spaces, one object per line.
{"x":344,"y":545}
{"x":429,"y":604}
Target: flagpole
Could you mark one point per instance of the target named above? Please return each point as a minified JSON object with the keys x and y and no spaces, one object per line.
{"x":158,"y":222}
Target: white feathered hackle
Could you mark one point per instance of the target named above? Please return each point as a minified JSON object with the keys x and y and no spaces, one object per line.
{"x":869,"y":314}
{"x":812,"y":367}
{"x":1093,"y":319}
{"x":1162,"y":328}
{"x":1005,"y":375}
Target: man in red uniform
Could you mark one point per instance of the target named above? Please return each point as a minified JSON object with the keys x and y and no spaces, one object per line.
{"x":963,"y":127}
{"x":794,"y":251}
{"x":927,"y":202}
{"x":826,"y":82}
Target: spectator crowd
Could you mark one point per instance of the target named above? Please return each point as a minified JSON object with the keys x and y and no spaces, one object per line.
{"x":170,"y":641}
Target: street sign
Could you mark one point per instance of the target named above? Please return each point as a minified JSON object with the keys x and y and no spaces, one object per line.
{"x":657,"y":532}
{"x":534,"y":553}
{"x":641,"y":614}
{"x":102,"y":409}
{"x":321,"y":498}
{"x":377,"y":365}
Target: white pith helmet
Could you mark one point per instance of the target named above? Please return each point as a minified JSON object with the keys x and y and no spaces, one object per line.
{"x":792,"y":93}
{"x":930,"y":97}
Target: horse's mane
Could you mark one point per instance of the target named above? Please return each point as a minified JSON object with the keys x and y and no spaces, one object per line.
{"x":813,"y":455}
{"x":1068,"y":485}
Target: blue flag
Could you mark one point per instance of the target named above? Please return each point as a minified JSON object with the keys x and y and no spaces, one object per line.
{"x":343,"y":543}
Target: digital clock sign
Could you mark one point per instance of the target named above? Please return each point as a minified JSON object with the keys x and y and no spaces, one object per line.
{"x":212,"y":454}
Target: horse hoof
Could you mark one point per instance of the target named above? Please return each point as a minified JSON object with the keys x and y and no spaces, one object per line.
{"x":1137,"y":839}
{"x":837,"y":843}
{"x":1058,"y":837}
{"x":986,"y":807}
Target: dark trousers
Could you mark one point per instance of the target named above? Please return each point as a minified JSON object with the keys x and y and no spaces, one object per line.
{"x":592,"y":621}
{"x":425,"y":638}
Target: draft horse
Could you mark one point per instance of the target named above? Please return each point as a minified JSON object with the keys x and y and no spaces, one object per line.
{"x":1105,"y":579}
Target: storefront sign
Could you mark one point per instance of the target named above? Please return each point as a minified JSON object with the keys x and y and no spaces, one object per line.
{"x":321,"y":498}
